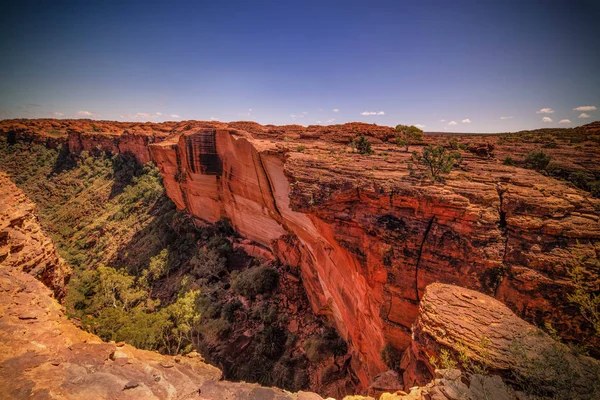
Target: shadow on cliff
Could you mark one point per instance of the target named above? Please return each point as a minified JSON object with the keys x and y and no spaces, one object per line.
{"x":149,"y":241}
{"x":65,"y":161}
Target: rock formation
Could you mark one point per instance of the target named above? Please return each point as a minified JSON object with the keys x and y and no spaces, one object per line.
{"x":23,"y":244}
{"x":367,"y":237}
{"x":481,"y":332}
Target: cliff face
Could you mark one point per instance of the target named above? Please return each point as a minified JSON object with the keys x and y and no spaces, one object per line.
{"x":368,"y":238}
{"x":368,"y":242}
{"x":23,"y":244}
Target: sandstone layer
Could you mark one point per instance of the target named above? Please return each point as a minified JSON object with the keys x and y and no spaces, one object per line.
{"x":367,"y":237}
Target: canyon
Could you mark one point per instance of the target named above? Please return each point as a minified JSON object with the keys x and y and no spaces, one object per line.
{"x":367,"y":237}
{"x":45,"y":355}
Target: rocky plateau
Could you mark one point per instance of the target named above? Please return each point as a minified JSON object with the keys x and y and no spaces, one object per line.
{"x":388,"y":258}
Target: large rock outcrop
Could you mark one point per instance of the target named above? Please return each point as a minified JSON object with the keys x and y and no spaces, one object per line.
{"x":479,"y":332}
{"x":369,"y":238}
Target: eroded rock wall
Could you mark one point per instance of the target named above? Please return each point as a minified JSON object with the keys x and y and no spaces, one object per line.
{"x":23,"y":244}
{"x":369,"y":244}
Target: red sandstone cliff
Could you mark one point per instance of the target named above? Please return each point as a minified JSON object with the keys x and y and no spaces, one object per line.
{"x":368,"y":241}
{"x":486,"y":333}
{"x":367,"y":237}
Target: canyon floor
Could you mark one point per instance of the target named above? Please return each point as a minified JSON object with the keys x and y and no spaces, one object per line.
{"x":381,"y":280}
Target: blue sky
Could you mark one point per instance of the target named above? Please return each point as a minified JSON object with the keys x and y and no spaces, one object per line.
{"x":496,"y":64}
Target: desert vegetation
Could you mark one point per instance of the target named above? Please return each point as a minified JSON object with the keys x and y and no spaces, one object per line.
{"x":408,"y":135}
{"x":433,"y":162}
{"x":362,"y":145}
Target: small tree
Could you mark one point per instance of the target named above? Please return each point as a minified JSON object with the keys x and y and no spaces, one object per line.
{"x":408,"y":135}
{"x":433,"y":162}
{"x":361,"y":144}
{"x":508,"y":161}
{"x":585,"y":295}
{"x":537,"y":160}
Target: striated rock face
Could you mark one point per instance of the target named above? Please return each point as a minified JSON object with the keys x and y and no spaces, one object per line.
{"x":367,"y":237}
{"x":451,"y":384}
{"x":23,"y":244}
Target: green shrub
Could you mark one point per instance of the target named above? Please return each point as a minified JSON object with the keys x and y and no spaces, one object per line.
{"x":550,"y":145}
{"x":433,"y":162}
{"x":300,"y":148}
{"x":537,"y":160}
{"x":408,"y":135}
{"x":208,"y":264}
{"x":254,"y":281}
{"x":316,"y":349}
{"x":362,"y":145}
{"x":508,"y":161}
{"x":328,"y":343}
{"x":229,"y":309}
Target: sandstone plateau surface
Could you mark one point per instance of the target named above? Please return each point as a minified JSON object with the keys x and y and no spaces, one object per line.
{"x":367,"y":237}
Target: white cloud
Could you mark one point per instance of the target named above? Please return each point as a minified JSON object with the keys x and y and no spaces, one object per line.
{"x":442,"y":120}
{"x":176,"y":116}
{"x":86,"y":113}
{"x":545,"y":111}
{"x":585,"y":108}
{"x":329,"y":121}
{"x":336,"y":110}
{"x":420,"y":126}
{"x":466,"y":121}
{"x":318,"y":122}
{"x":57,"y":114}
{"x":564,"y":121}
{"x":372,"y":113}
{"x":246,"y":114}
{"x":584,"y":115}
{"x":159,"y":114}
{"x":214,"y":119}
{"x":546,"y":119}
{"x":141,"y":116}
{"x":452,"y":123}
{"x":506,"y":117}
